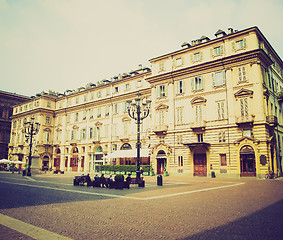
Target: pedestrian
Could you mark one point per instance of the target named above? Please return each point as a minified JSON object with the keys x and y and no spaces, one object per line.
{"x":103,"y":181}
{"x":141,"y":171}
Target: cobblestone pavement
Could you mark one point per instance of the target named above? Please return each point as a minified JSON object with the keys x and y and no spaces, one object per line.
{"x":183,"y":208}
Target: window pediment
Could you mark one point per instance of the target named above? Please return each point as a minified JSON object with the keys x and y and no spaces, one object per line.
{"x":126,"y":119}
{"x":198,"y":100}
{"x":47,"y":130}
{"x":161,"y":107}
{"x":244,"y":93}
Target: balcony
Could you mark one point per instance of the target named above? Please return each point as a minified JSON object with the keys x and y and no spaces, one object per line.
{"x":198,"y":126}
{"x":272,"y":120}
{"x":160,"y":130}
{"x":245,"y":121}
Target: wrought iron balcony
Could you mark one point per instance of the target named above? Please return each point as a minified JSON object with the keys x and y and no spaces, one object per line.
{"x":272,"y":120}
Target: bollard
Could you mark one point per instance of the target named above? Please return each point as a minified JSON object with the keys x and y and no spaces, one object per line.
{"x":159,"y":180}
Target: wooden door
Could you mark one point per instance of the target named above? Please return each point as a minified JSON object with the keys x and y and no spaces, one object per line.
{"x":200,"y":165}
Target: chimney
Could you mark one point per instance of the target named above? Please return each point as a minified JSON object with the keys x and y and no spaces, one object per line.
{"x":230,"y":30}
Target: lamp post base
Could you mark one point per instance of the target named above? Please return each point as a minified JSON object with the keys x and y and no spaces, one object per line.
{"x":138,"y":174}
{"x":29,"y":174}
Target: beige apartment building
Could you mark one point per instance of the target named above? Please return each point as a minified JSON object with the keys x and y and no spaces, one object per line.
{"x":216,"y":109}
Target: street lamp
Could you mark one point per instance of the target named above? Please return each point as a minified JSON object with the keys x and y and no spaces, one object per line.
{"x":30,"y":129}
{"x":138,"y":110}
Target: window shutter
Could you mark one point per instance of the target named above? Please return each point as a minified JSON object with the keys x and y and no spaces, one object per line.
{"x":192,"y":58}
{"x":211,"y":52}
{"x":177,"y":87}
{"x":213,"y":79}
{"x":158,"y":91}
{"x":174,"y":63}
{"x":165,"y":86}
{"x":245,"y":42}
{"x":222,"y":49}
{"x":223,"y":80}
{"x":193,"y":85}
{"x":233,"y":45}
{"x":201,"y":82}
{"x":200,"y":55}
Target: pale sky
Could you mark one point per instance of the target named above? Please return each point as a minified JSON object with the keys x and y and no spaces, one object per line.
{"x":65,"y":44}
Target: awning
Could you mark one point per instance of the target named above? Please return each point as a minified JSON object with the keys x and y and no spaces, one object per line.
{"x":132,"y":153}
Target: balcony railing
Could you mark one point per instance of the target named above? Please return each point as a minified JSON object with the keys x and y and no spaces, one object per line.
{"x":160,"y":129}
{"x":245,"y":120}
{"x":196,"y":126}
{"x":272,"y":120}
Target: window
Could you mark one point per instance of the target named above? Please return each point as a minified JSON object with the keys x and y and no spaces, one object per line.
{"x":83,"y":134}
{"x":49,"y":104}
{"x":91,"y":113}
{"x":180,"y":161}
{"x":77,"y":99}
{"x":161,"y":91}
{"x":85,"y":98}
{"x":179,"y":114}
{"x":107,"y":91}
{"x":180,"y":87}
{"x":200,"y":137}
{"x":161,"y":67}
{"x":197,"y":57}
{"x":84,"y":115}
{"x":46,"y":137}
{"x":197,"y":83}
{"x":161,"y":118}
{"x":139,"y":83}
{"x":116,"y":108}
{"x":223,"y":160}
{"x":241,"y":44}
{"x":179,"y":62}
{"x":242,"y":74}
{"x":106,"y":110}
{"x":76,"y":117}
{"x":73,"y":134}
{"x":218,"y":78}
{"x":221,"y":110}
{"x":127,"y":86}
{"x":47,"y":121}
{"x":244,"y":108}
{"x":90,"y":133}
{"x":98,"y":94}
{"x":247,"y":133}
{"x":68,"y":118}
{"x":116,"y":89}
{"x":216,"y":51}
{"x":199,"y":113}
{"x":221,"y":136}
{"x":99,"y":112}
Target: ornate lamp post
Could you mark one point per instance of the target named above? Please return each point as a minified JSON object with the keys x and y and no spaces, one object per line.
{"x":138,"y":110}
{"x":30,"y":129}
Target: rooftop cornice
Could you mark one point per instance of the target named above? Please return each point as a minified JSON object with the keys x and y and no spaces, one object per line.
{"x":205,"y":44}
{"x":223,"y":63}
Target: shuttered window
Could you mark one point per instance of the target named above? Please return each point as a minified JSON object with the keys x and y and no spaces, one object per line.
{"x":218,"y":78}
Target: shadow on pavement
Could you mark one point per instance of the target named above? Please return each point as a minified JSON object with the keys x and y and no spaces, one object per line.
{"x":264,"y":224}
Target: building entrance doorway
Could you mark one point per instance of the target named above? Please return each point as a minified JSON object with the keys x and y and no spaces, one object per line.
{"x":161,"y":162}
{"x":45,"y":163}
{"x":247,"y":162}
{"x":200,"y":164}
